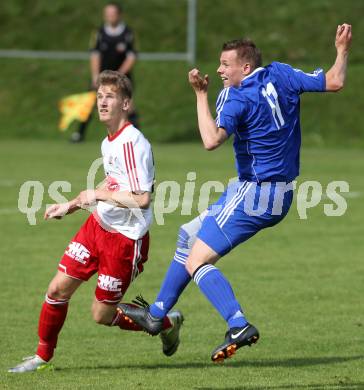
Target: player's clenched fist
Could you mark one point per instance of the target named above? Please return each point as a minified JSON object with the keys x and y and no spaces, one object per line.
{"x":343,"y":37}
{"x":198,"y":83}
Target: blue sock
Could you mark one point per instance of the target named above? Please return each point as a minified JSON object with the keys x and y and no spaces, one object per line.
{"x":173,"y":285}
{"x":218,"y":291}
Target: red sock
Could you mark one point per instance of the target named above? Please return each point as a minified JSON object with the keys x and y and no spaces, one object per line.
{"x":51,"y":320}
{"x":123,"y":323}
{"x":126,"y":324}
{"x":166,"y":323}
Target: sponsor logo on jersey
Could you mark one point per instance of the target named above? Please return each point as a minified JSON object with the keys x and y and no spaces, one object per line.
{"x":109,"y":283}
{"x":78,"y":252}
{"x":112,"y":184}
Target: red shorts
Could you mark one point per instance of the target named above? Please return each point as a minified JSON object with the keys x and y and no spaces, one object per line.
{"x":117,"y":259}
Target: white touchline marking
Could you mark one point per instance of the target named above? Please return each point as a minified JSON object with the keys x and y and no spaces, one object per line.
{"x":159,"y":203}
{"x":352,"y":194}
{"x":349,"y":195}
{"x":8,"y":211}
{"x":8,"y":183}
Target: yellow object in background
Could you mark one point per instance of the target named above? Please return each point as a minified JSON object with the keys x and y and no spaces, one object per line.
{"x":78,"y":106}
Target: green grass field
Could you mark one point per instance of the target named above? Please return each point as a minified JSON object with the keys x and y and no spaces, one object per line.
{"x":301,"y":283}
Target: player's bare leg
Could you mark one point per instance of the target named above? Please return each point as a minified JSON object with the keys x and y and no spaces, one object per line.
{"x":51,"y":320}
{"x":63,"y":286}
{"x":112,"y":315}
{"x":109,"y":315}
{"x":103,"y":313}
{"x":200,"y":254}
{"x":53,"y":315}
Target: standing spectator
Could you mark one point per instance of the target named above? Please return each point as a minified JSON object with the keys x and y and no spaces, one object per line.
{"x":113,"y":50}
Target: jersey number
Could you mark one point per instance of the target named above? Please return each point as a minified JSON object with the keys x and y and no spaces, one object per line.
{"x":271,"y":95}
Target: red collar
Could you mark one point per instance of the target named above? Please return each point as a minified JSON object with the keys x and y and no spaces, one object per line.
{"x":112,"y":137}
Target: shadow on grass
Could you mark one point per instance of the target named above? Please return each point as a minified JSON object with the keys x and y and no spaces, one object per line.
{"x":292,"y":362}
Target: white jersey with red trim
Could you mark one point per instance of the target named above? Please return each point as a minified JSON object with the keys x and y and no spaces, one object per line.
{"x":128,"y":164}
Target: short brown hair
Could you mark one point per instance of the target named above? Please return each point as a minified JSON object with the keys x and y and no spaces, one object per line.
{"x":120,"y":82}
{"x":116,"y":5}
{"x":246,"y":50}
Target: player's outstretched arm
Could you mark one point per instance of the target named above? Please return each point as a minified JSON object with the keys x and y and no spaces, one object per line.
{"x":123,"y":199}
{"x":59,"y":210}
{"x":88,"y":198}
{"x":212,"y":136}
{"x":335,"y":77}
{"x":127,"y":199}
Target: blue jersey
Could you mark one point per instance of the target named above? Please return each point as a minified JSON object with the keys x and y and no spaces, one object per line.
{"x":263,"y":114}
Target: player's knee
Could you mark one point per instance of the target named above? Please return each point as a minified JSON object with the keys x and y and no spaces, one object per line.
{"x":58,"y":291}
{"x":183,"y":237}
{"x":187,"y":234}
{"x":190,"y":267}
{"x":192,"y":264}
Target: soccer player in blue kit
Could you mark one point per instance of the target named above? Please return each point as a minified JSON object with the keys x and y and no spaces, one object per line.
{"x":260,"y":106}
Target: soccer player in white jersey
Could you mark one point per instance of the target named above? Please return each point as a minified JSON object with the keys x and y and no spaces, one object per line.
{"x":114,"y":240}
{"x":259,"y":107}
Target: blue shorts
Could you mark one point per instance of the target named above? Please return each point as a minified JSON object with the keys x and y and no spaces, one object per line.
{"x":243,"y":210}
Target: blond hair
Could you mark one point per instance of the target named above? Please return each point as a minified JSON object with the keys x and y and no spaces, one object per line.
{"x":120,"y":82}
